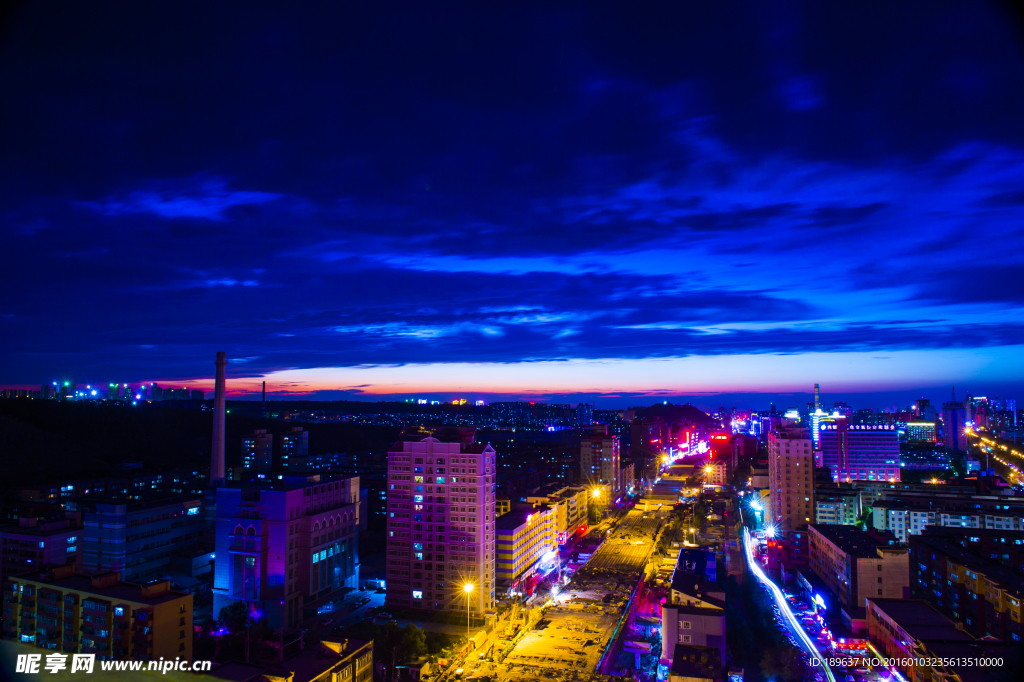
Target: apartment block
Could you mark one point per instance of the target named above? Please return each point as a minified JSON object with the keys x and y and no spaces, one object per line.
{"x":441,"y":526}
{"x":716,"y":472}
{"x":856,"y":564}
{"x":139,"y":539}
{"x":287,"y":547}
{"x":65,"y":612}
{"x":525,"y":539}
{"x":837,"y":504}
{"x":600,"y":463}
{"x":790,"y":478}
{"x":975,"y":590}
{"x":258,"y":451}
{"x":905,"y":516}
{"x":35,"y":544}
{"x":294,"y":445}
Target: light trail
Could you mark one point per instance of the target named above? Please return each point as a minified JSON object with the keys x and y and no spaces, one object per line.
{"x":780,"y":599}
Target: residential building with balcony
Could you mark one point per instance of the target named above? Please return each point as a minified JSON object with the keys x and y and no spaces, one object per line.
{"x":569,"y":505}
{"x":258,"y":451}
{"x":66,"y":612}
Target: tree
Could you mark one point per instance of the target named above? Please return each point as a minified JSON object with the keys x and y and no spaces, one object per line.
{"x":234,"y":616}
{"x":593,"y":513}
{"x":864,"y":519}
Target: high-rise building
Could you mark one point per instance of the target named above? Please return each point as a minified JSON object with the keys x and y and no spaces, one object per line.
{"x":139,"y":538}
{"x":441,"y":526}
{"x":294,"y":444}
{"x":790,"y":478}
{"x":954,"y":421}
{"x":584,"y":415}
{"x":99,"y":614}
{"x":288,"y":547}
{"x":600,"y":461}
{"x":921,"y":431}
{"x":258,"y":450}
{"x":860,"y":452}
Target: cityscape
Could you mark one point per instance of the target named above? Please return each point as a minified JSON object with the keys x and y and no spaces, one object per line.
{"x":668,"y":343}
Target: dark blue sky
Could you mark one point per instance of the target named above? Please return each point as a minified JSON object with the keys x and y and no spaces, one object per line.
{"x":572,"y":198}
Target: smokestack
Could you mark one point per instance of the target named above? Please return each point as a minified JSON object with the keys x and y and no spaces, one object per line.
{"x":263,"y":407}
{"x":217,"y":456}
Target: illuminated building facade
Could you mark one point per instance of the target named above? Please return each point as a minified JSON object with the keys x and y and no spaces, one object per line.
{"x":921,"y":431}
{"x":954,"y":422}
{"x":441,"y":535}
{"x":524,"y":539}
{"x":860,"y":452}
{"x":569,"y":505}
{"x":64,"y":612}
{"x":288,"y":548}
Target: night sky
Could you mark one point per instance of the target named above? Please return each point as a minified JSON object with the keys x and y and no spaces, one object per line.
{"x":535,"y":200}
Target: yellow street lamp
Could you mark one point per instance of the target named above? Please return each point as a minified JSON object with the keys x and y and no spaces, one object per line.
{"x":596,"y":492}
{"x":468,"y":589}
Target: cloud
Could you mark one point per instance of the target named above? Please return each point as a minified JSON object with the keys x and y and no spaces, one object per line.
{"x":209,"y":202}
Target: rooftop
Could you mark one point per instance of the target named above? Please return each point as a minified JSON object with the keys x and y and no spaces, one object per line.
{"x":919,"y":620}
{"x":517,"y":518}
{"x":857,"y":543}
{"x":116,"y":592}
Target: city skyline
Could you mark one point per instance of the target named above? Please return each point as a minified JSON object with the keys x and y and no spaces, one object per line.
{"x":627,"y":207}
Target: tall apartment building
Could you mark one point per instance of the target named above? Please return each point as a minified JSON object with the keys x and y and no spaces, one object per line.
{"x":294,"y":444}
{"x":600,"y":461}
{"x":524,"y":538}
{"x":35,"y":544}
{"x":860,"y":452}
{"x":855,"y":565}
{"x":949,"y":570}
{"x":258,"y":450}
{"x":287,"y":547}
{"x":64,"y":612}
{"x":140,"y":539}
{"x":441,"y":526}
{"x":954,"y":421}
{"x":790,"y":478}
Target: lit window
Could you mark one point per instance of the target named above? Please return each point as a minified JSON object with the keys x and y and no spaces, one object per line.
{"x":417,"y":594}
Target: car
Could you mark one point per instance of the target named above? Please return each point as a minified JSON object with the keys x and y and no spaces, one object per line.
{"x":384,"y":616}
{"x":326,"y":621}
{"x":862,"y":670}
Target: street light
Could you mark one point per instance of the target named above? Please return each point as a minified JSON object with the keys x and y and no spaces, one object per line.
{"x":468,"y":589}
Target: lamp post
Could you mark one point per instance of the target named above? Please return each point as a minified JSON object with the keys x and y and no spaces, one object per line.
{"x":468,"y":589}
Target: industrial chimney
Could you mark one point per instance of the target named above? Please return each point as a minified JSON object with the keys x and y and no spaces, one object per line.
{"x":217,"y":456}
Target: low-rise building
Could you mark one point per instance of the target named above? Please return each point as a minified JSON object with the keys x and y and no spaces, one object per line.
{"x":694,"y":613}
{"x":716,"y":472}
{"x":837,"y":504}
{"x":71,"y":613}
{"x":35,"y":544}
{"x":348,"y":660}
{"x":926,"y":645}
{"x":524,"y":538}
{"x":856,"y":564}
{"x":570,"y":508}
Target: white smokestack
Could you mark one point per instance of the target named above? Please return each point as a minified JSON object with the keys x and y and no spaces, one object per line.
{"x":217,"y":455}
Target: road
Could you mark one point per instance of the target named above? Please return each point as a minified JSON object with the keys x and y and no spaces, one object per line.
{"x":807,"y":644}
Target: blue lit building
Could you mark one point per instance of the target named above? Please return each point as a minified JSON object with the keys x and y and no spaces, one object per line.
{"x":288,"y":546}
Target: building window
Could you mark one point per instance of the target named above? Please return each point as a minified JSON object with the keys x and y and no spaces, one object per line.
{"x":118,"y":610}
{"x":685,"y":624}
{"x":417,"y":594}
{"x":685,"y":639}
